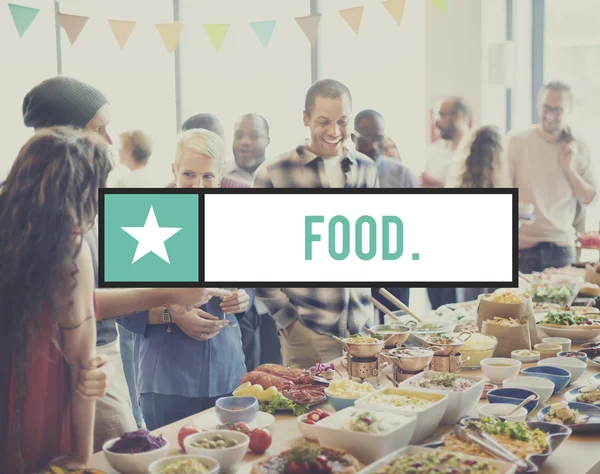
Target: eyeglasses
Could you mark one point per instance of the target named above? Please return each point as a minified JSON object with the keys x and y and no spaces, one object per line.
{"x":558,"y":111}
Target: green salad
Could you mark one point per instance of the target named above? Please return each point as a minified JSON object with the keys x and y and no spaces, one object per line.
{"x":560,"y":295}
{"x":518,"y":430}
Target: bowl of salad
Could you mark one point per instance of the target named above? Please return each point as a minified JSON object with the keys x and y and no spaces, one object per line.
{"x":577,"y":327}
{"x":554,"y":288}
{"x":579,"y":417}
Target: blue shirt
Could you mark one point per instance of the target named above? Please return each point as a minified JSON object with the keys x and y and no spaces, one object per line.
{"x":172,"y":363}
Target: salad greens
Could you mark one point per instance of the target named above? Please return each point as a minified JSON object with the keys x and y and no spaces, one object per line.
{"x":514,"y":429}
{"x":565,"y":318}
{"x":561,"y":295}
{"x":282,"y":403}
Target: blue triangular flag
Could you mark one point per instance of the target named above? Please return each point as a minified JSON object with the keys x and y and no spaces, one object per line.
{"x":23,"y":17}
{"x":264,"y":31}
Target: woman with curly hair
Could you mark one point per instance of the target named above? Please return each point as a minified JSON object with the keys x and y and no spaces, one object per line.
{"x":47,"y":301}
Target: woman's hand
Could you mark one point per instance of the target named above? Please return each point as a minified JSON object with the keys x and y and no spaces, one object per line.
{"x":95,"y":378}
{"x":198,"y":324}
{"x":237,"y":302}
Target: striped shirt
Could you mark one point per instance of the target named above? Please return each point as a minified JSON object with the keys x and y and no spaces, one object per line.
{"x":300,"y":168}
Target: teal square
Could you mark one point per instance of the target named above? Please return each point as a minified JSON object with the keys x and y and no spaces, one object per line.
{"x":172,"y":212}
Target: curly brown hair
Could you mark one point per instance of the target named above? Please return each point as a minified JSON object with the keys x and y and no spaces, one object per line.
{"x":49,"y":196}
{"x":484,"y":160}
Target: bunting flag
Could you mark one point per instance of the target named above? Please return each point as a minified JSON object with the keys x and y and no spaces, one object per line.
{"x":170,"y":34}
{"x":310,"y":26}
{"x":73,"y":24}
{"x":440,"y":5}
{"x":395,"y":8}
{"x":264,"y":31}
{"x":23,"y":17}
{"x":217,"y":34}
{"x":353,"y":17}
{"x":121,"y":30}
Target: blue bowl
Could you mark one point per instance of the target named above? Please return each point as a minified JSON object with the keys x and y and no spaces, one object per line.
{"x":514,"y":396}
{"x":236,"y":409}
{"x":582,"y":356}
{"x":340,"y":403}
{"x":559,"y":377}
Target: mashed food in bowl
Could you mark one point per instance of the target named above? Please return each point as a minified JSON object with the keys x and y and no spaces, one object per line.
{"x":184,"y":466}
{"x":477,"y":348}
{"x":344,"y":388}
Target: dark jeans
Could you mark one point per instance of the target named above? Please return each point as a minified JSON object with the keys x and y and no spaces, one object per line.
{"x":403,"y":294}
{"x":130,"y":359}
{"x":161,"y":410}
{"x":259,"y":339}
{"x":545,"y":255}
{"x":441,"y":296}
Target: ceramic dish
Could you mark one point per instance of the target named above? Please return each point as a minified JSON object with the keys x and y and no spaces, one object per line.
{"x":592,"y":425}
{"x":572,"y":395}
{"x":227,"y":457}
{"x":501,"y":467}
{"x":595,"y":379}
{"x":210,"y":421}
{"x":582,"y":356}
{"x":570,"y":332}
{"x":575,"y":367}
{"x":543,"y":387}
{"x":133,"y":463}
{"x":514,"y":396}
{"x":460,"y":403}
{"x":498,"y":369}
{"x":558,"y":376}
{"x":396,"y":431}
{"x":555,"y":436}
{"x":525,"y":356}
{"x":211,"y":464}
{"x":503,"y":410}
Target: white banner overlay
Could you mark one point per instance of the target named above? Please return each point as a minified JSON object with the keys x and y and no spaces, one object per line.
{"x":446,"y":238}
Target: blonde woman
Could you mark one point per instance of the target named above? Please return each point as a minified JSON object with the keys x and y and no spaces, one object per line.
{"x":187,"y":364}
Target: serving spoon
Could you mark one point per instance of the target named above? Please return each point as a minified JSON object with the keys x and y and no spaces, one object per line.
{"x":523,"y":403}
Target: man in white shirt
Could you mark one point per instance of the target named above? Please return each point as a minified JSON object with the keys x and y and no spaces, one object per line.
{"x":453,"y":123}
{"x":554,"y":172}
{"x":250,"y":142}
{"x":134,"y":153}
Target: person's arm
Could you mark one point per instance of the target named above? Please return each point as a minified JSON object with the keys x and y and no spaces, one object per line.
{"x":78,"y":329}
{"x":278,"y":305}
{"x":584,"y":191}
{"x":115,"y":303}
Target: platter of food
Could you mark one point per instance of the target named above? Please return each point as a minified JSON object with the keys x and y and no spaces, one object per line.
{"x":306,"y":457}
{"x":417,"y":459}
{"x":533,"y":442}
{"x":578,"y":328}
{"x":589,"y":394}
{"x":579,"y":417}
{"x":559,"y":289}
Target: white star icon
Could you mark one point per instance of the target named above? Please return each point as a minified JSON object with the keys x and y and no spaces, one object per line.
{"x":151,"y":237}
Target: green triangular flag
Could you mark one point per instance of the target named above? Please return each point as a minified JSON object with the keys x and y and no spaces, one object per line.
{"x":440,"y":5}
{"x":264,"y":31}
{"x":217,"y":34}
{"x":23,"y":17}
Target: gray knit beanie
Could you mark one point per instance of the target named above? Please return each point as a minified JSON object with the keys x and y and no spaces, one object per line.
{"x":61,"y":101}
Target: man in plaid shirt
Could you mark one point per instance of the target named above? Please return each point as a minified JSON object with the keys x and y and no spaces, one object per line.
{"x":309,"y":316}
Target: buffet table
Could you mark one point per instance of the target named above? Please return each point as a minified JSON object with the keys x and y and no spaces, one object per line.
{"x":579,"y":454}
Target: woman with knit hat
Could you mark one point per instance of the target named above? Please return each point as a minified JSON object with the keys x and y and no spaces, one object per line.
{"x":67,"y":101}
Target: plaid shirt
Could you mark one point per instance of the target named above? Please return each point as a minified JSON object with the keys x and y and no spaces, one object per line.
{"x":300,"y":168}
{"x":332,"y":311}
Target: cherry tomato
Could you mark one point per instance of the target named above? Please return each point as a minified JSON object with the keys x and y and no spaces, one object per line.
{"x":184,"y":432}
{"x":260,"y":440}
{"x":241,"y":427}
{"x":298,"y":468}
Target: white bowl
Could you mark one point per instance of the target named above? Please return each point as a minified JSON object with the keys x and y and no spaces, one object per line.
{"x":563,"y":342}
{"x":575,"y":367}
{"x":366,"y":447}
{"x":136,"y":463}
{"x":226,"y":457}
{"x":525,"y":359}
{"x":212,"y":464}
{"x":503,"y":409}
{"x":497,"y":373}
{"x":460,"y":404}
{"x":500,"y":467}
{"x":543,"y":387}
{"x":428,"y":417}
{"x":571,"y":332}
{"x":308,"y":431}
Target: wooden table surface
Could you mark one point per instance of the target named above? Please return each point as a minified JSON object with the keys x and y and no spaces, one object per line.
{"x":579,"y":454}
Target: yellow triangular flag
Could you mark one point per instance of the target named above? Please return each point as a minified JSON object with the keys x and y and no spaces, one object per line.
{"x":170,"y":34}
{"x":217,"y":34}
{"x":395,"y":8}
{"x":310,"y":26}
{"x":73,"y":24}
{"x":122,"y":30}
{"x":353,"y":17}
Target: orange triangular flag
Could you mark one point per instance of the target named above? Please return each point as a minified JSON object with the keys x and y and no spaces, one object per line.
{"x":73,"y":24}
{"x":170,"y":34}
{"x":353,"y":17}
{"x":122,"y":30}
{"x":310,"y":26}
{"x":395,"y":8}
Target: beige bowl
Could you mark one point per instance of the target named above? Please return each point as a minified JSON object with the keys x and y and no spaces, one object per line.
{"x":547,"y":349}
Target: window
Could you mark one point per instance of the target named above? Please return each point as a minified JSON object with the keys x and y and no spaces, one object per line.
{"x":244,"y":76}
{"x":25,"y":62}
{"x":384,"y":68}
{"x":139,"y":80}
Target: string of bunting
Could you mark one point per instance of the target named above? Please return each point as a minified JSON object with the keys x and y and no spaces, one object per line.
{"x":170,"y":33}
